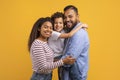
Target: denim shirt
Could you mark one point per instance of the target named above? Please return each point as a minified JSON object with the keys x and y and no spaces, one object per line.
{"x":77,"y":46}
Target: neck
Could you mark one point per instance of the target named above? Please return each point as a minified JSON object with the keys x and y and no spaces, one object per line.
{"x":42,"y":39}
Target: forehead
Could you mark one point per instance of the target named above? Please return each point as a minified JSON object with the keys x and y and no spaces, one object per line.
{"x":47,"y":23}
{"x":59,"y":19}
{"x":69,"y":12}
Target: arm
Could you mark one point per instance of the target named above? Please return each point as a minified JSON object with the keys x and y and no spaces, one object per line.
{"x":70,"y":34}
{"x":39,"y":58}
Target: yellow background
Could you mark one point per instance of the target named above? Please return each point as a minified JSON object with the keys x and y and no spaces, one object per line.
{"x":18,"y":16}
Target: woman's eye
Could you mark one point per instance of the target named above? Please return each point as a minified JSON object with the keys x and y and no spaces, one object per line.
{"x":45,"y":26}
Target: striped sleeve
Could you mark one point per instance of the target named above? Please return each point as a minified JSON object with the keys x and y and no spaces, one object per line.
{"x":39,"y":59}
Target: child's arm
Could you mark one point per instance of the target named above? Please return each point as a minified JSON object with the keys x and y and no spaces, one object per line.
{"x":71,"y":33}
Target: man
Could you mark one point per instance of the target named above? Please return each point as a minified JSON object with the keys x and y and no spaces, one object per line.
{"x":76,"y":46}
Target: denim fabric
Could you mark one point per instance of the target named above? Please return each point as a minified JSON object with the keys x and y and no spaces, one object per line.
{"x":38,"y":76}
{"x":65,"y":73}
{"x":75,"y":73}
{"x":72,"y":73}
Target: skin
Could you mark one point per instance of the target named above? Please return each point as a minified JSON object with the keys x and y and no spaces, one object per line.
{"x":45,"y":31}
{"x":58,"y":24}
{"x":71,"y":18}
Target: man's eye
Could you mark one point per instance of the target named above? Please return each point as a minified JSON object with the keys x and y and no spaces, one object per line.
{"x":70,"y":16}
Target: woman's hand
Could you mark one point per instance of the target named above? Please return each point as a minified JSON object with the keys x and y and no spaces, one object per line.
{"x":68,"y":60}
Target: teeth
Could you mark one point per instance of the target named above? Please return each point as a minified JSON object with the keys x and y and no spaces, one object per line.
{"x":47,"y":33}
{"x":68,"y":22}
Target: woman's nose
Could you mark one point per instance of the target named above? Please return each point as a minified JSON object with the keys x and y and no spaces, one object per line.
{"x":49,"y":29}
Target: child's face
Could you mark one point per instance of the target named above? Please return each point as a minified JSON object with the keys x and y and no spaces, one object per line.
{"x":58,"y":24}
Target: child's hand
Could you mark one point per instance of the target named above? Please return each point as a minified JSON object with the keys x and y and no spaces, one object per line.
{"x":85,"y":26}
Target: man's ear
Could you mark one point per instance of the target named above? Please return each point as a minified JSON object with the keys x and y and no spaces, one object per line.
{"x":78,"y":17}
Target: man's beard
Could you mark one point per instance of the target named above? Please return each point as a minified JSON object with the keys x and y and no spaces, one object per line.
{"x":74,"y":24}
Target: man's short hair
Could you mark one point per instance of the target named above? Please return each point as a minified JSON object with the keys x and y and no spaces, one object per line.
{"x":71,"y":7}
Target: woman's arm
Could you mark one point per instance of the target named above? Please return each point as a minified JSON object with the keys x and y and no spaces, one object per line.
{"x":71,"y":33}
{"x":39,"y":58}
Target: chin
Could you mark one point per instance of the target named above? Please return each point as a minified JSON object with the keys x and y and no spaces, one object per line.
{"x":58,"y":30}
{"x":69,"y":26}
{"x":47,"y":36}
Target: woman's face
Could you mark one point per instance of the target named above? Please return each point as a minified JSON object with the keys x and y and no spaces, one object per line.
{"x":46,"y":30}
{"x":58,"y":24}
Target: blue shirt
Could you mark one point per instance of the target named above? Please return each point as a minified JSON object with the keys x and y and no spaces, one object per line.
{"x":77,"y":46}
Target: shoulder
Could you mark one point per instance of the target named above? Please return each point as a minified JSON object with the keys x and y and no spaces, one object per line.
{"x":81,"y":33}
{"x":38,"y":44}
{"x":55,"y":33}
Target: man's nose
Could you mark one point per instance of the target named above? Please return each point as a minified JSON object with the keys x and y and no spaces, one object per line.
{"x":67,"y":19}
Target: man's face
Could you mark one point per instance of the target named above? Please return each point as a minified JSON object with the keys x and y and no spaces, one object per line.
{"x":70,"y":18}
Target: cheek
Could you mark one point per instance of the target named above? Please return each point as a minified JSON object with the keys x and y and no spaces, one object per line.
{"x":41,"y":32}
{"x":55,"y":28}
{"x":62,"y":26}
{"x":74,"y":20}
{"x":55,"y":25}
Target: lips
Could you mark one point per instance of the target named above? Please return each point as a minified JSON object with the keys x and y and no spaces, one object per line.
{"x":68,"y":24}
{"x":48,"y":33}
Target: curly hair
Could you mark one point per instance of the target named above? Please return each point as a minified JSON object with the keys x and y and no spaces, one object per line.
{"x":34,"y":32}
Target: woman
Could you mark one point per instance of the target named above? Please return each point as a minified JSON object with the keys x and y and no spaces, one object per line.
{"x":40,"y":52}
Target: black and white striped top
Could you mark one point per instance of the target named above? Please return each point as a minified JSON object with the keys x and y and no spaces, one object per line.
{"x":42,"y":57}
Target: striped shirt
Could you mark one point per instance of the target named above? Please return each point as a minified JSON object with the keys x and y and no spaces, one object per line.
{"x":42,"y":57}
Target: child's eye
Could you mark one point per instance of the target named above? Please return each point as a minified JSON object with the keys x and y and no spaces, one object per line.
{"x":61,"y":23}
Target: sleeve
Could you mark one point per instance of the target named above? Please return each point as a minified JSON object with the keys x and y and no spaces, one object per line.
{"x":40,"y":59}
{"x":55,"y":35}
